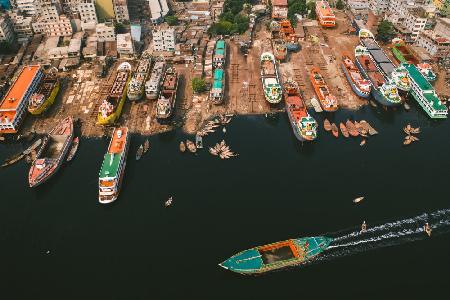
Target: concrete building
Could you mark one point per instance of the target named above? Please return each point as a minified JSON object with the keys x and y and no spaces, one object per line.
{"x":164,"y":38}
{"x":279,"y":9}
{"x":415,"y":21}
{"x":158,"y":9}
{"x":378,"y":7}
{"x":59,"y":27}
{"x":358,"y":6}
{"x":442,"y":27}
{"x":121,"y":11}
{"x":105,"y":32}
{"x":125,"y":47}
{"x":88,"y":16}
{"x":22,"y":25}
{"x":27,"y":7}
{"x":105,"y":10}
{"x":437,"y":46}
{"x":6,"y":29}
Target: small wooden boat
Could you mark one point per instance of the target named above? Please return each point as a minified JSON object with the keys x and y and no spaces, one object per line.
{"x":335,"y":130}
{"x":191,"y":146}
{"x":139,"y":152}
{"x":363,"y":142}
{"x":168,"y":202}
{"x":327,"y":125}
{"x":406,"y":106}
{"x":146,"y":146}
{"x":363,"y":227}
{"x":343,"y":130}
{"x":351,"y":128}
{"x":407,"y":140}
{"x":357,"y":200}
{"x":427,"y":229}
{"x":182,"y":146}
{"x":74,"y":149}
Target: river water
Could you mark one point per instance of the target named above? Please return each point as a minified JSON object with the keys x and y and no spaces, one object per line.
{"x":58,"y":242}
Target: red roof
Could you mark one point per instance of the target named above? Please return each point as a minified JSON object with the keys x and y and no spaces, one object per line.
{"x":279,"y":3}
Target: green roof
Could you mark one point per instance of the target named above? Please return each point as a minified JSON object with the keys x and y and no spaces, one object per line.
{"x":218,"y":74}
{"x":434,"y":101}
{"x":217,"y":84}
{"x":110,"y":165}
{"x":418,"y":77}
{"x":220,"y":44}
{"x":220,"y":52}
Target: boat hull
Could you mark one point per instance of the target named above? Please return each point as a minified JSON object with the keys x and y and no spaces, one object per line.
{"x":112,"y":118}
{"x":296,"y":130}
{"x":355,"y":89}
{"x":48,"y":102}
{"x":135,"y":96}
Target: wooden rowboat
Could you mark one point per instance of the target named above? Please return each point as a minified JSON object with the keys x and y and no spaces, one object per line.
{"x":327,"y":125}
{"x":335,"y":130}
{"x":343,"y":130}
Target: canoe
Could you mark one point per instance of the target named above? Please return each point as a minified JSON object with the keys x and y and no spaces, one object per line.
{"x":182,"y":146}
{"x":343,"y":130}
{"x":327,"y":125}
{"x":335,"y":130}
{"x":73,"y":150}
{"x":351,"y":128}
{"x":191,"y":146}
{"x":139,"y":152}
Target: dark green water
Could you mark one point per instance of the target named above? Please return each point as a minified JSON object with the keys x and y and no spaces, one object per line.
{"x":276,"y":189}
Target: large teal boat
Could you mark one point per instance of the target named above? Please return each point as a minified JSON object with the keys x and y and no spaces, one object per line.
{"x":425,"y":94}
{"x":277,"y":255}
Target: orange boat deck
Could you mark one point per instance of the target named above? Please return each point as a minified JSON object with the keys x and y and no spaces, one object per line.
{"x":117,"y":144}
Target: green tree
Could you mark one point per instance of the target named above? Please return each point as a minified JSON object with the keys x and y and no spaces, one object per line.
{"x":120,"y":28}
{"x":311,"y":6}
{"x":386,"y":31}
{"x":296,"y":7}
{"x":339,"y":4}
{"x":198,"y":85}
{"x":171,"y":20}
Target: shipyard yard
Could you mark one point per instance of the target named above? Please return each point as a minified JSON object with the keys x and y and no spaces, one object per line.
{"x":82,"y":88}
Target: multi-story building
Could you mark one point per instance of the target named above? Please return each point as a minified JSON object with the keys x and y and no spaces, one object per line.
{"x":14,"y":105}
{"x":358,"y":6}
{"x":415,"y":21}
{"x":279,"y":9}
{"x":105,"y":32}
{"x":158,"y":9}
{"x":437,"y":46}
{"x":59,"y":27}
{"x":6,"y":29}
{"x":121,"y":11}
{"x":22,"y":25}
{"x":105,"y":10}
{"x":88,"y":16}
{"x":125,"y":46}
{"x":378,"y":7}
{"x":27,"y":7}
{"x":164,"y":38}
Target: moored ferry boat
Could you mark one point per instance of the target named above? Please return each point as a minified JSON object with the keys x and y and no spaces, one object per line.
{"x":425,"y":94}
{"x":359,"y":84}
{"x":113,"y":166}
{"x":303,"y":125}
{"x":383,"y":90}
{"x":112,"y":103}
{"x":400,"y":77}
{"x":153,"y":85}
{"x":220,"y":52}
{"x":327,"y":101}
{"x":325,"y":14}
{"x":52,"y":153}
{"x":279,"y":49}
{"x":137,"y":83}
{"x":168,"y":96}
{"x":427,"y":72}
{"x":270,"y":78}
{"x":402,"y":53}
{"x":218,"y":87}
{"x":278,"y":255}
{"x":45,"y":94}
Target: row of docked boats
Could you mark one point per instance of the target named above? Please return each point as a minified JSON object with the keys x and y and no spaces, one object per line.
{"x":161,"y":84}
{"x":217,"y":92}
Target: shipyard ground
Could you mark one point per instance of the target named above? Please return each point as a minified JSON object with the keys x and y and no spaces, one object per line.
{"x":81,"y":91}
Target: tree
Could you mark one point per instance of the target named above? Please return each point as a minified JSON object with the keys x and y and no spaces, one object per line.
{"x":171,"y":20}
{"x":120,"y":28}
{"x":385,"y":31}
{"x":339,"y":4}
{"x":296,"y":7}
{"x":311,"y":6}
{"x":198,"y":85}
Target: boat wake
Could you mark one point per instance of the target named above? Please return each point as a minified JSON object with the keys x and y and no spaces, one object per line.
{"x":385,"y":235}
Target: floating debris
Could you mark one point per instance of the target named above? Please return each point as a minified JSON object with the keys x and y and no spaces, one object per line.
{"x":191,"y":146}
{"x":182,"y":146}
{"x":344,"y":130}
{"x":327,"y":125}
{"x":222,"y":150}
